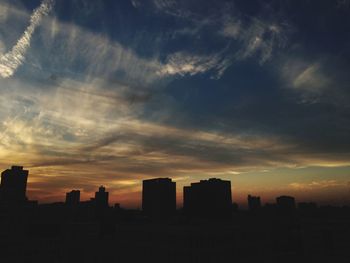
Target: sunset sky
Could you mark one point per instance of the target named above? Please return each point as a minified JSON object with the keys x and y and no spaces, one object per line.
{"x":113,"y":92}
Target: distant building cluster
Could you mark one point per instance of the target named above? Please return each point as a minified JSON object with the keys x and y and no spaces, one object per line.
{"x":13,"y":188}
{"x":210,"y":198}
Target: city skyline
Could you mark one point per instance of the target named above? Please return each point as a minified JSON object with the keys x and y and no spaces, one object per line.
{"x":209,"y":227}
{"x":240,"y":198}
{"x":115,"y":92}
{"x":157,"y":195}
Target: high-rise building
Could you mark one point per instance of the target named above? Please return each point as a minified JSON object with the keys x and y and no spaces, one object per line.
{"x":73,"y":197}
{"x":101,"y":198}
{"x":159,"y":197}
{"x":208,"y":198}
{"x":13,"y":185}
{"x":254,"y":203}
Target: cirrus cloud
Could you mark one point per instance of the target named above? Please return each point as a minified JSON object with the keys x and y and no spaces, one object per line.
{"x":10,"y":61}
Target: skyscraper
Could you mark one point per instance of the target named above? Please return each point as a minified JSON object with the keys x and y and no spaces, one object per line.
{"x":159,"y":197}
{"x":208,"y":198}
{"x":13,"y":185}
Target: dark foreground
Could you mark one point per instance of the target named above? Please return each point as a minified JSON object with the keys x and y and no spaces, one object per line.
{"x":63,"y":234}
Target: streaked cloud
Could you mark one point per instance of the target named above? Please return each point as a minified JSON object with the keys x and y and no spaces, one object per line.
{"x":164,"y":4}
{"x":258,"y":37}
{"x":311,"y":79}
{"x":316,"y":185}
{"x":315,"y":81}
{"x":245,"y":37}
{"x":10,"y":61}
{"x":306,"y":76}
{"x":136,"y":3}
{"x":189,"y":64}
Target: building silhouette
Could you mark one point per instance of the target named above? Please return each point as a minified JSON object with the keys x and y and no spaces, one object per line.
{"x":254,"y":203}
{"x":208,"y":198}
{"x":13,"y":185}
{"x":159,"y":197}
{"x":285,"y":204}
{"x":73,"y":198}
{"x":101,"y":197}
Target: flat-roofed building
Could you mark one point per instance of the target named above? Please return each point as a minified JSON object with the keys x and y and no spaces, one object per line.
{"x":159,"y":197}
{"x":208,"y":198}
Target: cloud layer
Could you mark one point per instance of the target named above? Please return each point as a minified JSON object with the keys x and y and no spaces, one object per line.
{"x":167,"y":88}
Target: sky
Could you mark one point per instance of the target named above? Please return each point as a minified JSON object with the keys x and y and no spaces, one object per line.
{"x":113,"y":92}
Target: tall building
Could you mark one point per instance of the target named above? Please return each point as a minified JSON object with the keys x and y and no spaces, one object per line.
{"x":208,"y":198}
{"x":254,"y":203}
{"x":159,"y":197}
{"x":73,"y":198}
{"x":101,"y":198}
{"x":13,"y":185}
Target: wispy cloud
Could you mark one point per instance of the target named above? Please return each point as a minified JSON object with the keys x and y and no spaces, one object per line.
{"x":311,"y":79}
{"x":135,"y":3}
{"x":171,"y":7}
{"x":257,"y":37}
{"x":307,"y":78}
{"x":316,"y":185}
{"x":164,"y":4}
{"x":243,"y":37}
{"x":10,"y":61}
{"x":231,"y":27}
{"x":181,"y":63}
